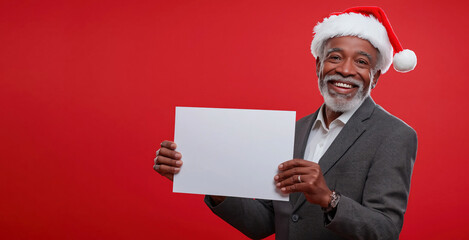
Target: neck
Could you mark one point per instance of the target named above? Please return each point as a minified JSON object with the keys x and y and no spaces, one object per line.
{"x":330,"y":115}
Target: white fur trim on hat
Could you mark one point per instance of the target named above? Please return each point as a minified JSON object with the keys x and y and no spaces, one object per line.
{"x":358,"y":25}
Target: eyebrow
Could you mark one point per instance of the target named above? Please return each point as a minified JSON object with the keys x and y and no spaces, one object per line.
{"x":333,"y":50}
{"x":367,"y":55}
{"x":370,"y":58}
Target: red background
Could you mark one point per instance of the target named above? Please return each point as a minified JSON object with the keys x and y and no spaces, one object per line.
{"x":88,"y":91}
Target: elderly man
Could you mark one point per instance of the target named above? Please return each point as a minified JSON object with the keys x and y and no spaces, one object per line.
{"x":350,"y":176}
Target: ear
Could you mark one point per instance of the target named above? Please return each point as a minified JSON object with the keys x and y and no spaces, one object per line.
{"x":375,"y":79}
{"x":318,"y":66}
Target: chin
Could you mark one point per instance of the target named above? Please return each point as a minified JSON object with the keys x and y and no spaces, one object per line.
{"x":343,"y":103}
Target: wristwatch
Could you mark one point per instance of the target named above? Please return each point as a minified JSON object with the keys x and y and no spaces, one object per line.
{"x":335,"y":197}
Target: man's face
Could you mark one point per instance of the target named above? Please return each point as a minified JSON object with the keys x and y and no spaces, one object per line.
{"x":345,"y":74}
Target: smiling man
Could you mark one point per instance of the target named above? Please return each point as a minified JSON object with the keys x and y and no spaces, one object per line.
{"x":350,"y":176}
{"x":346,"y":73}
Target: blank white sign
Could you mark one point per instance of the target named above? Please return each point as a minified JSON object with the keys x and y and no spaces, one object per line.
{"x":232,"y":152}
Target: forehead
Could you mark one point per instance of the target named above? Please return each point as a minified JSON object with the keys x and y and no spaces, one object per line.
{"x":350,"y":44}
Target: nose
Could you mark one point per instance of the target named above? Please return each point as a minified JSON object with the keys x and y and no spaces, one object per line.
{"x":346,"y":68}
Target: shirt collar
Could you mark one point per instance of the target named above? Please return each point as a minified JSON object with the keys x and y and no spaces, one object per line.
{"x":343,"y":118}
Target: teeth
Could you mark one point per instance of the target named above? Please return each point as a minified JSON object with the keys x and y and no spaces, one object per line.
{"x":343,"y":85}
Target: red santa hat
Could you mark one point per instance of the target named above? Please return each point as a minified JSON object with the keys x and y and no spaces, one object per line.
{"x":369,"y":23}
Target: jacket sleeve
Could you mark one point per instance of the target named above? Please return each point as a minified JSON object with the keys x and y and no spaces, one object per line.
{"x":254,"y":218}
{"x":380,"y":215}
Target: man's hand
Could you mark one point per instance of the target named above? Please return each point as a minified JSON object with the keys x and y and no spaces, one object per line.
{"x":300,"y":175}
{"x":168,"y":160}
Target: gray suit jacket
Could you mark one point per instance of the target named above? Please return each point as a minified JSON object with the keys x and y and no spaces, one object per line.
{"x":370,"y":163}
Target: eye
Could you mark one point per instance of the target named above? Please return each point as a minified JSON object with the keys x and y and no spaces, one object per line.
{"x":334,"y":58}
{"x":362,"y":61}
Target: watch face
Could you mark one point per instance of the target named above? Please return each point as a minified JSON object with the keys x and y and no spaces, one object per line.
{"x":335,"y":199}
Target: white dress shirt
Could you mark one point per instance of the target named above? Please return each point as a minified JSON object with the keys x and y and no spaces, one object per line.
{"x":322,"y":137}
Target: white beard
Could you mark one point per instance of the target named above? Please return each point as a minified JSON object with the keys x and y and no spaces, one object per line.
{"x":343,"y":102}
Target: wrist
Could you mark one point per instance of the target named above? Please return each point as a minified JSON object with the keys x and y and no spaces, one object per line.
{"x":333,"y":202}
{"x":326,"y":200}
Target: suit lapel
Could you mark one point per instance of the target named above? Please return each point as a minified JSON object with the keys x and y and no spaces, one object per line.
{"x":302,"y":132}
{"x":346,"y":138}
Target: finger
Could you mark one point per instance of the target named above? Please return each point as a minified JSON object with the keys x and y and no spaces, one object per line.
{"x":305,"y":182}
{"x":292,"y":172}
{"x":294,"y":175}
{"x":292,"y":180}
{"x":169,"y":176}
{"x":157,"y":153}
{"x":169,"y":144}
{"x":165,"y":169}
{"x":297,"y":187}
{"x":295,"y":163}
{"x":156,"y":167}
{"x":162,"y":160}
{"x":170,"y":153}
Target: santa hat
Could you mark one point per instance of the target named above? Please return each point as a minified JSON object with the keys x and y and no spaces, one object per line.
{"x":369,"y":23}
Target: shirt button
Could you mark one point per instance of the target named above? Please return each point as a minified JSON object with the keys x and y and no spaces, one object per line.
{"x":295,"y":218}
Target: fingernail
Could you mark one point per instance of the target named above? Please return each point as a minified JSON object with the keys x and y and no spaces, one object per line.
{"x":179,"y":162}
{"x":280,"y":166}
{"x":173,"y":146}
{"x":177,"y":169}
{"x":283,"y":189}
{"x":177,"y":155}
{"x":276,"y":177}
{"x":278,"y":184}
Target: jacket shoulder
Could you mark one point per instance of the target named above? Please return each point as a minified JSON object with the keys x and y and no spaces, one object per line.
{"x":389,"y":123}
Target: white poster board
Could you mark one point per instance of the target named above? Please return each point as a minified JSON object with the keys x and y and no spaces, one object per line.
{"x":232,"y":152}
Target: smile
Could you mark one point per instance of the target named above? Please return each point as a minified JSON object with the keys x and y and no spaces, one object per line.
{"x":342,"y":85}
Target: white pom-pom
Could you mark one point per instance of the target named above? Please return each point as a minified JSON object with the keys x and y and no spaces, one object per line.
{"x":404,"y":61}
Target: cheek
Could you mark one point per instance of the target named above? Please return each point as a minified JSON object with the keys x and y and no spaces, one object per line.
{"x":366,"y":77}
{"x":327,"y":68}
